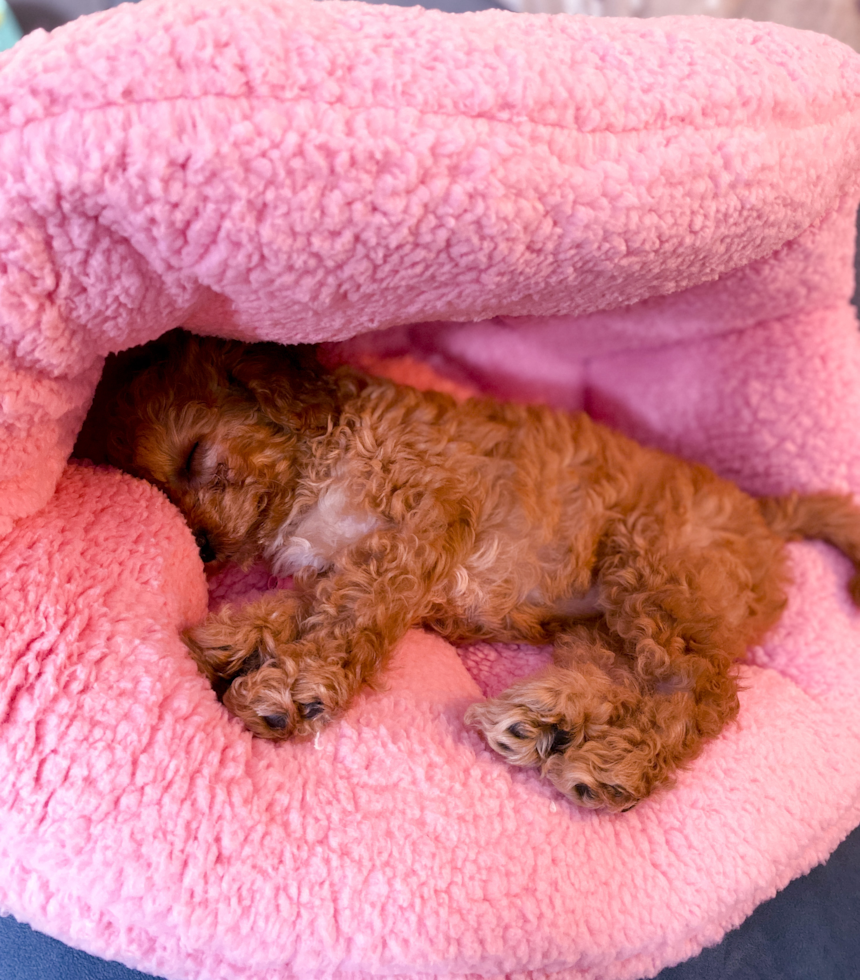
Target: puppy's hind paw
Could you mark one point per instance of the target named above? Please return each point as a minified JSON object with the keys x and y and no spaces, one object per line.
{"x":516,"y":733}
{"x":575,"y":728}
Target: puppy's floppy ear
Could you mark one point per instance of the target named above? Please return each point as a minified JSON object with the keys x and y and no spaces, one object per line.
{"x":101,"y":439}
{"x":289,"y":383}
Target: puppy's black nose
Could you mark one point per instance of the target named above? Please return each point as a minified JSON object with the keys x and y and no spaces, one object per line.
{"x":204,"y":546}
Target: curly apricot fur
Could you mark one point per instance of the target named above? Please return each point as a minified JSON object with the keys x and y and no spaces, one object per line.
{"x":482,"y":521}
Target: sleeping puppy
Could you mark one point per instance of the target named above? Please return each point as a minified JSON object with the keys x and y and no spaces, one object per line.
{"x":395,"y":508}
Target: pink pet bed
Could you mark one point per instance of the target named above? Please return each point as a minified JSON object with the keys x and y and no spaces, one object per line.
{"x":651,"y":219}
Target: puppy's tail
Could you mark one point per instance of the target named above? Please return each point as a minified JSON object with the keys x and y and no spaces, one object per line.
{"x":826,"y":516}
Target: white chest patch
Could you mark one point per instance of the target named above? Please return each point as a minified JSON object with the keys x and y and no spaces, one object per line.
{"x":313,"y":541}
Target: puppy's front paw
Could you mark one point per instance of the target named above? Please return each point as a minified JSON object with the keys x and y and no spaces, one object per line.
{"x":238,"y":640}
{"x":287,"y":698}
{"x":576,"y":728}
{"x":278,"y":687}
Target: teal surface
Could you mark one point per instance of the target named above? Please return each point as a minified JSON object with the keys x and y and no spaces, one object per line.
{"x":9,"y":30}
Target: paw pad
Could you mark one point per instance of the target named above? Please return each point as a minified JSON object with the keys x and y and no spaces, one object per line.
{"x":518,"y":730}
{"x":311,"y":710}
{"x":560,"y":740}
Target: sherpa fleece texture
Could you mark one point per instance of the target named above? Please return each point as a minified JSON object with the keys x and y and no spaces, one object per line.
{"x":651,"y":219}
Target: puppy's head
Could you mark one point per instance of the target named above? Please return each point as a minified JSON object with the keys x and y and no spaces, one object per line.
{"x":221,"y":427}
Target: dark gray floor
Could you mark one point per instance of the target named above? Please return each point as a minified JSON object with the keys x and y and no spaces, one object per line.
{"x":810,"y":931}
{"x":49,"y":14}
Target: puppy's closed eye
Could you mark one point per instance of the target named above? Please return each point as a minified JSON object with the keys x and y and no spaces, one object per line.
{"x":199,"y":465}
{"x":188,"y":467}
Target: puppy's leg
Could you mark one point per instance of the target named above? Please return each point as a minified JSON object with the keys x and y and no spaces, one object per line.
{"x":296,"y":666}
{"x":241,"y":650}
{"x":276,"y":682}
{"x":633,"y":699}
{"x":238,"y":640}
{"x":585,"y":722}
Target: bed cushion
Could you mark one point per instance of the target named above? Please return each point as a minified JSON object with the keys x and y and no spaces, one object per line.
{"x":653,"y":220}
